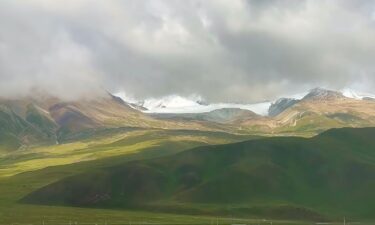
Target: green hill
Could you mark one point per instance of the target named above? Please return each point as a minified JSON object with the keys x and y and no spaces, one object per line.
{"x":328,"y":176}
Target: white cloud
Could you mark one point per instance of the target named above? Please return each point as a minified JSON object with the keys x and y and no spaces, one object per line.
{"x":224,"y":50}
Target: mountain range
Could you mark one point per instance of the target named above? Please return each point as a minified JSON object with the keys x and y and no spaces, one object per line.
{"x":50,"y":120}
{"x":174,"y":104}
{"x":318,"y":110}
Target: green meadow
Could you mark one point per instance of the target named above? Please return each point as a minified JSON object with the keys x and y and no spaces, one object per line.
{"x":24,"y":171}
{"x":195,"y":177}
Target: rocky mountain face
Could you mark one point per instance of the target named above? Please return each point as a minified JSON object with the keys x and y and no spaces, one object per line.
{"x":323,"y":94}
{"x":280,"y":105}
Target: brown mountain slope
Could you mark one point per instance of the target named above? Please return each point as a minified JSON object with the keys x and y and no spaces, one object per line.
{"x":51,"y":120}
{"x":318,"y":113}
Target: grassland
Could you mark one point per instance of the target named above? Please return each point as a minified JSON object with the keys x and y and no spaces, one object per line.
{"x":24,"y":171}
{"x":317,"y":179}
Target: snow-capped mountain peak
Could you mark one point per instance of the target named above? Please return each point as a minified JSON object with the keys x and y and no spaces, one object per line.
{"x":171,"y":102}
{"x":195,"y":104}
{"x":320,"y":93}
{"x":191,"y":104}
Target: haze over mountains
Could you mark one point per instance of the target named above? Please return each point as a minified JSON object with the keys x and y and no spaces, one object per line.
{"x":243,"y":51}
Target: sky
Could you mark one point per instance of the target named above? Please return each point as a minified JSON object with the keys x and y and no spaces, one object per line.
{"x":221,"y":50}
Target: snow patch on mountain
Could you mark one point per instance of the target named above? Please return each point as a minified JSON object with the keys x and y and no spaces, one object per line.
{"x":172,"y":102}
{"x":349,"y":93}
{"x":196,"y":104}
{"x":178,"y":104}
{"x":323,"y":94}
{"x":191,"y":104}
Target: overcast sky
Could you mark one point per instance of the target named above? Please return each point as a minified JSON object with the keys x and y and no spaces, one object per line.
{"x":222,"y":50}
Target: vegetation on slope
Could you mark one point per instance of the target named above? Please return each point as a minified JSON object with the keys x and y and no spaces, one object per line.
{"x":22,"y":172}
{"x":14,"y":130}
{"x":331,"y":174}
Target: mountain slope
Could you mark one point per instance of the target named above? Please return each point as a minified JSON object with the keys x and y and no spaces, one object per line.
{"x":16,"y":130}
{"x":225,"y":115}
{"x":330,"y":175}
{"x":50,"y":120}
{"x":281,"y":105}
{"x":323,"y":94}
{"x":35,"y":120}
{"x":317,"y":111}
{"x":321,"y":110}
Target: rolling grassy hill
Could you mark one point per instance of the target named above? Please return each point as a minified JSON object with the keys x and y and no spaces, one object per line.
{"x":328,"y":176}
{"x":22,"y":172}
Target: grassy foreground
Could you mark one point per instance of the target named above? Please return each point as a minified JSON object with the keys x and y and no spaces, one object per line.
{"x":318,"y":179}
{"x":24,"y":171}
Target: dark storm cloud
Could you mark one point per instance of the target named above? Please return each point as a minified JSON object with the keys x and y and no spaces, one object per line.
{"x":223,"y":50}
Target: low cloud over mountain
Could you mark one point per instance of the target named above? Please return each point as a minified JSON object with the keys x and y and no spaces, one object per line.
{"x":221,"y":50}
